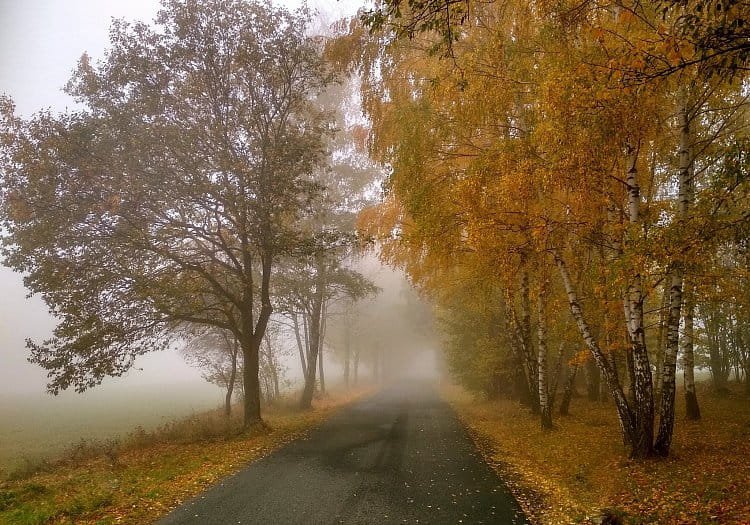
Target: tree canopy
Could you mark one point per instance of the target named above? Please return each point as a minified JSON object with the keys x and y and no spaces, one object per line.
{"x":169,"y":197}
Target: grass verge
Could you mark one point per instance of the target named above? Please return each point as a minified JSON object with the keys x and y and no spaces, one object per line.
{"x":579,"y":472}
{"x":138,"y":479}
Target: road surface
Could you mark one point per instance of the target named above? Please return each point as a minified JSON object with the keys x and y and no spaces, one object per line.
{"x":400,"y":456}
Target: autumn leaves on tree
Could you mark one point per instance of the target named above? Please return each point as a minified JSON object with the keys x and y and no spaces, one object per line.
{"x":561,"y":163}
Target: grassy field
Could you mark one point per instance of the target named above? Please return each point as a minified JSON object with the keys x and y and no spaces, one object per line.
{"x":35,"y":427}
{"x":575,"y":472}
{"x":142,"y":476}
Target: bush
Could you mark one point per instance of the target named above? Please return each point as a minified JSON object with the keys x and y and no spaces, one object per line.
{"x":29,"y":467}
{"x":86,"y":449}
{"x":7,"y":497}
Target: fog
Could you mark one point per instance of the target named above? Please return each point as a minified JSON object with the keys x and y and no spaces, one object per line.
{"x":40,"y":43}
{"x":198,"y":319}
{"x":398,"y":323}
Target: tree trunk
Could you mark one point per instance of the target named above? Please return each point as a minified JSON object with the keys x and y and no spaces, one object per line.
{"x":521,"y":386}
{"x":230,"y":383}
{"x":273,"y":368}
{"x":555,"y":376}
{"x":716,"y":362}
{"x":660,"y":342}
{"x":300,"y":346}
{"x":630,"y":368}
{"x":625,"y":415}
{"x":693,"y":411}
{"x":251,"y":369}
{"x":321,"y":342}
{"x":526,"y":339}
{"x":685,"y":196}
{"x":545,"y":410}
{"x":347,"y":351}
{"x":719,"y":372}
{"x":593,"y":379}
{"x":568,"y":391}
{"x":276,"y":386}
{"x":320,"y":372}
{"x":315,"y":329}
{"x":251,"y":337}
{"x":643,"y":410}
{"x":251,"y":380}
{"x":306,"y":332}
{"x":250,"y":340}
{"x":231,"y":342}
{"x":666,"y":411}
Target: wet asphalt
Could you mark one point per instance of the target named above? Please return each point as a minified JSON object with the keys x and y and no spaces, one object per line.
{"x":399,"y":456}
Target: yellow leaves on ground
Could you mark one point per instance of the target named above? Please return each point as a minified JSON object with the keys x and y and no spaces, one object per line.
{"x":574,"y":473}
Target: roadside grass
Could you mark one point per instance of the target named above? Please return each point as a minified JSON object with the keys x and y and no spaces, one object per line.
{"x":141,"y":477}
{"x":579,"y":472}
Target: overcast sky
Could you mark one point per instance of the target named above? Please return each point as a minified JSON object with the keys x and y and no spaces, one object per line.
{"x":40,"y":43}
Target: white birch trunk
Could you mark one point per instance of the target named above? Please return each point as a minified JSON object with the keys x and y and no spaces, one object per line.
{"x":633,"y":309}
{"x":624,"y":413}
{"x":545,"y":410}
{"x":676,"y":278}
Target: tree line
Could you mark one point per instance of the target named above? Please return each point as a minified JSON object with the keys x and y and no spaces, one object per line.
{"x":569,"y":183}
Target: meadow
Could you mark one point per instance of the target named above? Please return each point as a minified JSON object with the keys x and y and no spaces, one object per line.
{"x":36,"y":427}
{"x":144,"y":474}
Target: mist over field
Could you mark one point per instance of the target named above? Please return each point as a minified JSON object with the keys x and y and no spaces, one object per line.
{"x":372,"y":262}
{"x":38,"y":51}
{"x":162,"y":388}
{"x":36,"y":424}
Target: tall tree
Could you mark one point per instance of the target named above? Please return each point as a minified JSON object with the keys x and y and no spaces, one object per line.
{"x":171,"y":195}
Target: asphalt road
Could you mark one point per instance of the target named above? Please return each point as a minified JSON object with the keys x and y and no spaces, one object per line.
{"x":400,"y":456}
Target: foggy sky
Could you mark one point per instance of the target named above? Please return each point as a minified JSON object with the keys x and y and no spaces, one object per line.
{"x":40,"y":43}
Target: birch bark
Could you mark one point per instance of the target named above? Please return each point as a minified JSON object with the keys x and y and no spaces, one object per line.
{"x":685,"y":197}
{"x":545,"y":411}
{"x":624,"y":413}
{"x":643,"y":392}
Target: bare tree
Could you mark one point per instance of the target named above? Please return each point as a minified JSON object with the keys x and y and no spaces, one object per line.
{"x":217,"y":352}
